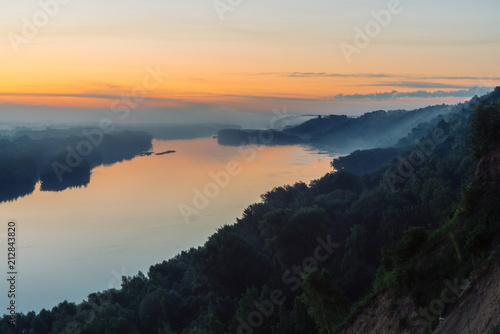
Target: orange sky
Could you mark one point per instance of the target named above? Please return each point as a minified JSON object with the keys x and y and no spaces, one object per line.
{"x":260,"y":56}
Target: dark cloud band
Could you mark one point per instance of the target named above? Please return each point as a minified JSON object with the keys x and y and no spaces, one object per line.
{"x":421,"y":94}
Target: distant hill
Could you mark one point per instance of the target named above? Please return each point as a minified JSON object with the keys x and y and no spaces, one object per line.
{"x":316,"y":125}
{"x":158,"y":131}
{"x":377,"y":129}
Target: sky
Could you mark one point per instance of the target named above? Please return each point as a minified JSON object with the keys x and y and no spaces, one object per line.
{"x":228,"y":60}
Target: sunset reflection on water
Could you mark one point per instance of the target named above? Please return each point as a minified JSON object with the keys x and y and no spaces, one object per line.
{"x":127,"y":218}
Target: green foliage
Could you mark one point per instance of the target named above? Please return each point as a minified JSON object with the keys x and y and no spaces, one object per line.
{"x":481,"y":230}
{"x":477,"y":239}
{"x":470,"y":195}
{"x":291,"y":236}
{"x":495,"y":330}
{"x":326,"y":305}
{"x":384,"y":279}
{"x":412,"y":241}
{"x":484,"y":128}
{"x":229,"y":264}
{"x":338,"y":180}
{"x":403,"y":321}
{"x":364,"y":161}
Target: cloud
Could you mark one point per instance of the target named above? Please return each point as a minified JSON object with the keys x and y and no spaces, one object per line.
{"x":370,"y":75}
{"x":122,"y":98}
{"x":459,"y":78}
{"x":337,"y":75}
{"x":421,"y":94}
{"x":418,"y":84}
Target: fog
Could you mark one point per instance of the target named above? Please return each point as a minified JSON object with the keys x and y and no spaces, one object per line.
{"x":42,"y":116}
{"x":200,"y":120}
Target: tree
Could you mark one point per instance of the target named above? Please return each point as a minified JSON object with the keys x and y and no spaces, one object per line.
{"x":484,"y":129}
{"x":326,"y":305}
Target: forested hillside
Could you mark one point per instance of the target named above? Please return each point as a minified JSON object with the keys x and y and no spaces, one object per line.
{"x":310,"y":258}
{"x":339,"y":133}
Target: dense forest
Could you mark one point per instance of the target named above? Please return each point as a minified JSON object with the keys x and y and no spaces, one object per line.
{"x":308,"y":257}
{"x":61,"y":158}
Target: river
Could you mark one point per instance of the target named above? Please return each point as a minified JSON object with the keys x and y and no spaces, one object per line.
{"x":140,"y":212}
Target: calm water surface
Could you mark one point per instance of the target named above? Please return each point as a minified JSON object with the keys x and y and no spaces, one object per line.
{"x":83,"y":240}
